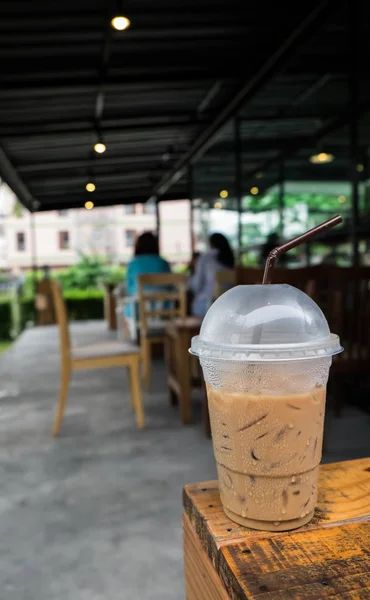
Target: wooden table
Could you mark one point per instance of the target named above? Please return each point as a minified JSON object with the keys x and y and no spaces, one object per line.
{"x":327,"y":558}
{"x":180,"y":375}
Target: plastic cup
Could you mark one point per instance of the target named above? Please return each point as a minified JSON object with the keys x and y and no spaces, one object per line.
{"x":265,"y":351}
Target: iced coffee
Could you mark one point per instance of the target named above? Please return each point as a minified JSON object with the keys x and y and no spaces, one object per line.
{"x":266,"y":352}
{"x":268,"y":450}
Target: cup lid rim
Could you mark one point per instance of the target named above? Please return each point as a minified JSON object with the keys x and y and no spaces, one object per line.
{"x":324,"y":347}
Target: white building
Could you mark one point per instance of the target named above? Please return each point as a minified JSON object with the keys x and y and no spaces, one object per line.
{"x":56,"y":238}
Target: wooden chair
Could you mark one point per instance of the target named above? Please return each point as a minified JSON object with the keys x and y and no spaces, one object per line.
{"x":102,"y":355}
{"x":348,"y":313}
{"x":156,"y":307}
{"x":225,"y":280}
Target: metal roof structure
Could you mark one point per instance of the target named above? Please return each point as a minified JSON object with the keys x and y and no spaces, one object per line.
{"x":243,"y":92}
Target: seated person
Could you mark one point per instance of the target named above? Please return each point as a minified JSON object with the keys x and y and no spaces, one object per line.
{"x":146,"y":260}
{"x":202,"y":283}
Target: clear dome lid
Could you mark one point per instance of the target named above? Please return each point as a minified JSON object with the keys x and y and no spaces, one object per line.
{"x":265,"y":323}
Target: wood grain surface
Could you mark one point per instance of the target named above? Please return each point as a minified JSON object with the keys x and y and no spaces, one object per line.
{"x":202,"y":581}
{"x":333,"y":562}
{"x":342,"y":514}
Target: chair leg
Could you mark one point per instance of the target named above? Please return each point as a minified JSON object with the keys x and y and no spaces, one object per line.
{"x":136,"y":398}
{"x":63,"y":394}
{"x":146,"y":356}
{"x":131,"y":394}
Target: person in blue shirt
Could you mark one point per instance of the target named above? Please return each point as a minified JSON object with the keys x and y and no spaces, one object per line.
{"x":146,"y":260}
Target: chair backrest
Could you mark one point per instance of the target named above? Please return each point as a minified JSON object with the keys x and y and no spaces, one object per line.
{"x":62,"y":320}
{"x":348,"y":310}
{"x":224,"y":280}
{"x":161,"y":296}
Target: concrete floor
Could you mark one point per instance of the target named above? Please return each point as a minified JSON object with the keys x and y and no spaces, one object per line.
{"x":96,"y":514}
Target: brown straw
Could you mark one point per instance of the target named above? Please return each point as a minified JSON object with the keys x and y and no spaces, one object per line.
{"x":304,"y":237}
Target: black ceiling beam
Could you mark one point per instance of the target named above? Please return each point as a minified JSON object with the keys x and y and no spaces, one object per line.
{"x":271,"y":67}
{"x":9,"y":174}
{"x":55,"y":126}
{"x":114,"y":128}
{"x":124,"y":160}
{"x":129,"y":79}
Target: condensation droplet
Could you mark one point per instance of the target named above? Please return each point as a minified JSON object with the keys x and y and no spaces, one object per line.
{"x":293,"y":479}
{"x":277,"y":523}
{"x":284,"y":511}
{"x":250,"y":494}
{"x":290,"y":425}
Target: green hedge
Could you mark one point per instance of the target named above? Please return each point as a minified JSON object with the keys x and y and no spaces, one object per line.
{"x":82,"y":305}
{"x":5,"y":319}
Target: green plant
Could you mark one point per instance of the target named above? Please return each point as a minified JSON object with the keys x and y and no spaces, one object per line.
{"x":89,"y":272}
{"x":114,"y":275}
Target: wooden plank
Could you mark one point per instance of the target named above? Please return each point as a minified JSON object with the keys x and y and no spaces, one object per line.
{"x":344,"y":495}
{"x":333,"y":562}
{"x":202,"y":581}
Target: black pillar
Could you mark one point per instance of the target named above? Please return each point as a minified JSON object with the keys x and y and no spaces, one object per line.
{"x":33,"y":245}
{"x":281,"y":198}
{"x":191,"y":200}
{"x":353,"y":124}
{"x":157,"y":220}
{"x":238,"y":178}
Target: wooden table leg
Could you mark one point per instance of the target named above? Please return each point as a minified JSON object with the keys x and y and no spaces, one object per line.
{"x":170,"y":358}
{"x":183,"y":375}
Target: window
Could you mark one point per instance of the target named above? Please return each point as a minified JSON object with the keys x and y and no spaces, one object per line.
{"x":129,"y":209}
{"x":130,"y":236}
{"x":63,"y":212}
{"x":21,"y":241}
{"x":149,"y":208}
{"x":63,"y":240}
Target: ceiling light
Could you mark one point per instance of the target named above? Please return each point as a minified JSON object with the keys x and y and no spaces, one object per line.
{"x":321,"y":158}
{"x":254,"y":191}
{"x":89,"y":205}
{"x":100,"y":147}
{"x":224,"y":194}
{"x":359,"y":168}
{"x":259,"y":175}
{"x":120,"y":23}
{"x":90,"y":187}
{"x":341,"y":199}
{"x":217,"y":205}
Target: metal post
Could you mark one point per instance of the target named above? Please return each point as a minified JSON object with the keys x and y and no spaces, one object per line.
{"x":281,"y":199}
{"x":157,"y":220}
{"x":191,"y":200}
{"x":353,"y":124}
{"x":33,"y":246}
{"x":238,"y":179}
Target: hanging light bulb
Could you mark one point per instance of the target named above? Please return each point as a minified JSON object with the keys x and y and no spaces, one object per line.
{"x":89,"y":205}
{"x":120,"y":23}
{"x":224,"y":194}
{"x":99,"y":147}
{"x":90,"y":187}
{"x":321,"y":158}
